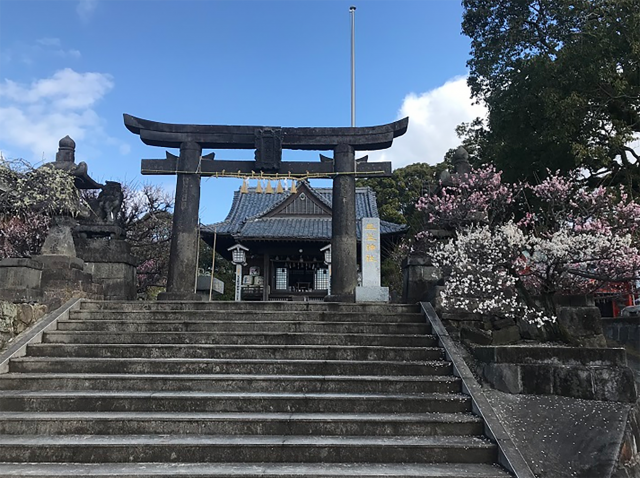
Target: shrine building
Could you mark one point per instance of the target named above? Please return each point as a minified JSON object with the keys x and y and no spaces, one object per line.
{"x":286,"y":234}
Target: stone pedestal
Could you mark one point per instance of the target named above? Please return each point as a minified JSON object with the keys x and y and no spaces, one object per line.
{"x":59,"y":241}
{"x":372,"y":294}
{"x":118,"y":279}
{"x":108,"y":259}
{"x":64,"y":277}
{"x":63,"y":274}
{"x":420,"y":280}
{"x":579,"y":321}
{"x":20,"y":280}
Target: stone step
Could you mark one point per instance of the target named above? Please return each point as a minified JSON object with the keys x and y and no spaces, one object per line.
{"x":155,"y":401}
{"x":221,"y":366}
{"x":245,"y":449}
{"x":246,"y":338}
{"x":224,"y":351}
{"x":254,"y":307}
{"x":240,"y":315}
{"x":239,"y":390}
{"x":251,"y":470}
{"x":115,"y":423}
{"x":241,"y":326}
{"x":232,"y":383}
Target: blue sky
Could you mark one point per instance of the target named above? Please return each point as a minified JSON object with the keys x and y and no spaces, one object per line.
{"x":74,"y":67}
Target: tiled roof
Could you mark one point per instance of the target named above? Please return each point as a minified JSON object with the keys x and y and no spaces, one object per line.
{"x":313,"y":229}
{"x":245,"y":219}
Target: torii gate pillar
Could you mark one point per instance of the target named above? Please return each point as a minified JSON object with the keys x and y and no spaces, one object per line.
{"x":184,"y":239}
{"x":344,"y":245}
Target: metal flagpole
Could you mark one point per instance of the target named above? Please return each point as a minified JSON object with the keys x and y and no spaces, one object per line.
{"x":352,"y":10}
{"x":195,"y":285}
{"x":213,"y":262}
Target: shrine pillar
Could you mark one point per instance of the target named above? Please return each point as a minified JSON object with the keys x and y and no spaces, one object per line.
{"x":344,"y":278}
{"x":184,"y":238}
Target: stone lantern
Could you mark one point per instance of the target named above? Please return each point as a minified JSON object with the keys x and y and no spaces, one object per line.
{"x":239,"y":258}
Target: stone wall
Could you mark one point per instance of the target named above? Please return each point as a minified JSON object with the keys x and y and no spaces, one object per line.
{"x":623,"y":330}
{"x":578,"y":372}
{"x":15,"y":318}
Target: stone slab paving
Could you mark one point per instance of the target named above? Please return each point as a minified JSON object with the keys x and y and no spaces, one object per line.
{"x":563,"y":437}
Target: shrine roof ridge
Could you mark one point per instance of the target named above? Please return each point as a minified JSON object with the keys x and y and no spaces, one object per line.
{"x":246,"y":221}
{"x":171,"y":135}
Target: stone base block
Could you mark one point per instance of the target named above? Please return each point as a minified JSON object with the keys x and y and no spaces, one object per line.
{"x":59,"y":240}
{"x":64,"y":277}
{"x":581,"y":326}
{"x":118,"y":279}
{"x":346,"y":298}
{"x":420,"y":280}
{"x":372,"y":294}
{"x":20,"y":273}
{"x":20,"y":295}
{"x":190,"y":296}
{"x":54,"y":261}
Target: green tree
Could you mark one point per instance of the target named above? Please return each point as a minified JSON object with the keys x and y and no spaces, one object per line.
{"x":225,"y":271}
{"x":397,"y":195}
{"x":561,"y":80}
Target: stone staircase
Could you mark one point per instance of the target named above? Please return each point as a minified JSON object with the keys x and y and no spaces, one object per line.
{"x":239,"y":390}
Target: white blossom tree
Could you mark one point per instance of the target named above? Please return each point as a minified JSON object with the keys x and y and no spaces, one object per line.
{"x":568,"y":239}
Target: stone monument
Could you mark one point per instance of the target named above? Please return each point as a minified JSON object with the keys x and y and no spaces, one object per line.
{"x":370,"y":290}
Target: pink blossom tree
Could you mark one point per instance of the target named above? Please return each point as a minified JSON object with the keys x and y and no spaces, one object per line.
{"x":479,"y":196}
{"x":569,"y":239}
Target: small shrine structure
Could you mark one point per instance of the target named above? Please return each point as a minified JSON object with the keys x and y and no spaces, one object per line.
{"x":286,"y":234}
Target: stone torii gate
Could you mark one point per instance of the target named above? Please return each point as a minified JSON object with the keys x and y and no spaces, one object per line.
{"x":268,"y":143}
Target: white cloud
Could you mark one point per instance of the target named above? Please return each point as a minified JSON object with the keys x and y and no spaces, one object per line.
{"x":66,"y":90}
{"x":54,"y":42}
{"x":86,"y":8}
{"x":35,"y":116}
{"x":54,"y":45}
{"x":433,"y":117}
{"x":68,"y":53}
{"x":42,"y":48}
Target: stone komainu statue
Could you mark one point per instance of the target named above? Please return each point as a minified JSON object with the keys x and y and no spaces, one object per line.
{"x":110,"y":201}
